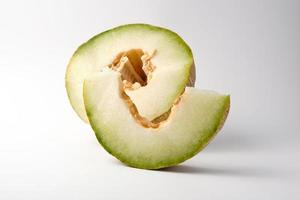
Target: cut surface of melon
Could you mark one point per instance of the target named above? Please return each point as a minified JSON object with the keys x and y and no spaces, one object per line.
{"x":170,"y":57}
{"x":193,"y":121}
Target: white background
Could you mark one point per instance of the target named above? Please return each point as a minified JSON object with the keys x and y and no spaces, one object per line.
{"x":250,"y":49}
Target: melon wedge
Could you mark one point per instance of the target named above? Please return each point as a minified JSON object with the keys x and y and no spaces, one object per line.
{"x":193,"y":122}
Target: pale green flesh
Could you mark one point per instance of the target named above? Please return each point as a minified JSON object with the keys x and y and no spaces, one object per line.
{"x":160,"y":93}
{"x":172,"y":54}
{"x":192,"y":123}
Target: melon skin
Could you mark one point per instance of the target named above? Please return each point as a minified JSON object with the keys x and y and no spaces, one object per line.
{"x":196,"y":119}
{"x":90,"y":57}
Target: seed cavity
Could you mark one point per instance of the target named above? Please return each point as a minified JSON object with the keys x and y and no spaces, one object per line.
{"x":136,"y":71}
{"x":135,"y":67}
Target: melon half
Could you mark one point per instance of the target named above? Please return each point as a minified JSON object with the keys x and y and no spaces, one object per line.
{"x":134,"y":85}
{"x":154,"y":58}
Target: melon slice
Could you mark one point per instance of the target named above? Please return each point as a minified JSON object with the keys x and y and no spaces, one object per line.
{"x":151,"y":59}
{"x":193,"y":121}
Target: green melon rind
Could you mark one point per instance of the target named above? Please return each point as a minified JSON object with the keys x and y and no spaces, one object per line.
{"x":84,"y":47}
{"x":204,"y":138}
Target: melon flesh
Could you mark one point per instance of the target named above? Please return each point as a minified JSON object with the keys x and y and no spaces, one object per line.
{"x":190,"y":126}
{"x":173,"y":61}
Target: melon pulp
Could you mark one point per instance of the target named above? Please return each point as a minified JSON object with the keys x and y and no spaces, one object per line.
{"x":132,"y":84}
